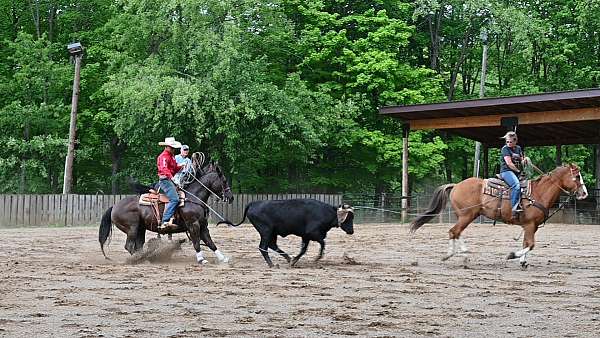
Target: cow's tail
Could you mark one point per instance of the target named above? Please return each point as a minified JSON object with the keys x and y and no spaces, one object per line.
{"x":242,"y":221}
{"x":105,"y":229}
{"x":437,"y":204}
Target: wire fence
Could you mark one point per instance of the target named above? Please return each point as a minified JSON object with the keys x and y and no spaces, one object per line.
{"x":387,"y":208}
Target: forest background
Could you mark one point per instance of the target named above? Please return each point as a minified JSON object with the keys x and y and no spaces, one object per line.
{"x":283,"y":93}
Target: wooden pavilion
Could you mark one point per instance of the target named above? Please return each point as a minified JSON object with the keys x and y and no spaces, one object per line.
{"x":549,"y":119}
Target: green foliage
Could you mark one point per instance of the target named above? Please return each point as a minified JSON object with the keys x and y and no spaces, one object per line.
{"x":283,"y":93}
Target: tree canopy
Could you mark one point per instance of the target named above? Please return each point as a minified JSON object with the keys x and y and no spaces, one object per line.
{"x":283,"y":93}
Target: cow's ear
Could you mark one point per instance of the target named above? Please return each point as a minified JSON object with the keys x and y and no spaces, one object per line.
{"x":342,"y":214}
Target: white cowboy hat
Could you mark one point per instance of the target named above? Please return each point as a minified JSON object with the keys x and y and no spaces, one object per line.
{"x":170,"y":141}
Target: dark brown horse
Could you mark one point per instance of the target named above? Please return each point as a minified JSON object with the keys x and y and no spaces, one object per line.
{"x":134,"y":219}
{"x":469,"y":201}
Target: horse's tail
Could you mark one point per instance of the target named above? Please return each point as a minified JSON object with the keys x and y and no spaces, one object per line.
{"x":105,"y":229}
{"x":242,"y":221}
{"x":438,"y":202}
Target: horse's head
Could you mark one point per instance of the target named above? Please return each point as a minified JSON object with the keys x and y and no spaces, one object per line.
{"x":217,"y":182}
{"x":571,"y":180}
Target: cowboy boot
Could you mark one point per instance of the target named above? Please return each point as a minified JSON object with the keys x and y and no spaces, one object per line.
{"x":168,"y":225}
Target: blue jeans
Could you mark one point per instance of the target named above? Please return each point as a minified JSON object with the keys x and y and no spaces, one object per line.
{"x":512,"y":180}
{"x":168,"y":188}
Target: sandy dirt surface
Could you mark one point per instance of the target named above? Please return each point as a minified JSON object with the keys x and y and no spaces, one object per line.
{"x":378,"y":282}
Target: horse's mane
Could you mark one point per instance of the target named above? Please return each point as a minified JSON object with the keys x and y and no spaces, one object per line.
{"x":548,"y":174}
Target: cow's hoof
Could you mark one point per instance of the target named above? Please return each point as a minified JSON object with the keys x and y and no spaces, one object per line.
{"x":524,"y":265}
{"x":511,"y":256}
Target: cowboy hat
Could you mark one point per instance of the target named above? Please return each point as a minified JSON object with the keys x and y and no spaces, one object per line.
{"x":170,"y":141}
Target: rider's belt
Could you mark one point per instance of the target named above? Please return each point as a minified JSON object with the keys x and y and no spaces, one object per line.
{"x":163,"y":178}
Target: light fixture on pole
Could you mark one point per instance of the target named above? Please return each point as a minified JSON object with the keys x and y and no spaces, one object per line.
{"x":76,"y":51}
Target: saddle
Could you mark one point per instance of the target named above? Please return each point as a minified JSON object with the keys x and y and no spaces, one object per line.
{"x":153,"y":198}
{"x":495,"y":186}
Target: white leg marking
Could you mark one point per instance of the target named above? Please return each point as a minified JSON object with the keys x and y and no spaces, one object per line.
{"x":522,"y":252}
{"x":523,"y":258}
{"x":451,"y":247}
{"x":462,"y":245}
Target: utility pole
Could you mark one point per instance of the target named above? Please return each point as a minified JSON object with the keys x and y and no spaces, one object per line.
{"x":484,"y":41}
{"x":76,"y":50}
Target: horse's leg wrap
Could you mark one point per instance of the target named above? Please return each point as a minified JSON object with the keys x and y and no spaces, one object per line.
{"x":200,"y":258}
{"x":220,"y":257}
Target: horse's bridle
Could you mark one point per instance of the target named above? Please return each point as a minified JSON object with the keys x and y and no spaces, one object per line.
{"x":224,"y":187}
{"x":574,"y":173}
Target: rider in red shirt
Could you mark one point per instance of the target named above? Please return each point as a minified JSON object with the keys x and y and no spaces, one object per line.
{"x":167,"y":168}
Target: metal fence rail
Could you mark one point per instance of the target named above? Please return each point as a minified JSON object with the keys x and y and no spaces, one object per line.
{"x":384,"y":208}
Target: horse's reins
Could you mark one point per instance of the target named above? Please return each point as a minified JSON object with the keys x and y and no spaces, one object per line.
{"x":550,"y":174}
{"x":204,"y":203}
{"x":212,"y":192}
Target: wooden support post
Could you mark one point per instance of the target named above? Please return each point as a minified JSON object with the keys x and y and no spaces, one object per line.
{"x":558,"y":155}
{"x":405,"y":192}
{"x":486,"y":164}
{"x":476,"y":162}
{"x":597,"y":175}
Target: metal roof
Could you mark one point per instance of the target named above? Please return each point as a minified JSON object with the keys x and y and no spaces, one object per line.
{"x":585,"y":130}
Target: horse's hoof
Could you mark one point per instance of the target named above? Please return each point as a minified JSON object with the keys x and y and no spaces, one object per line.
{"x":224,"y":260}
{"x":202,"y":262}
{"x":511,"y":256}
{"x":524,"y":265}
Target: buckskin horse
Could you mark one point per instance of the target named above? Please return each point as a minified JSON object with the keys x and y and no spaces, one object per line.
{"x":134,"y":219}
{"x":469,"y":201}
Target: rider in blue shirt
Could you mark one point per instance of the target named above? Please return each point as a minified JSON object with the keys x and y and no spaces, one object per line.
{"x":183,"y":159}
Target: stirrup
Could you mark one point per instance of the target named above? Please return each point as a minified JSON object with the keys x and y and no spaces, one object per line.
{"x":167,"y":225}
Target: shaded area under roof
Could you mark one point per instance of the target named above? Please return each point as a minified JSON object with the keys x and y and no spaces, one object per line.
{"x":571,"y":117}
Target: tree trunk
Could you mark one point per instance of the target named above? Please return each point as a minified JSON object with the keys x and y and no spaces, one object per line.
{"x":35,"y":13}
{"x":434,"y":23}
{"x":51,"y":16}
{"x":465,"y":168}
{"x":459,"y":62}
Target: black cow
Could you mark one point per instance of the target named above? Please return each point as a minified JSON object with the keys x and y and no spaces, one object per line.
{"x":307,"y":218}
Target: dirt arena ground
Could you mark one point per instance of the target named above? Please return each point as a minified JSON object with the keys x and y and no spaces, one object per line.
{"x":378,"y":282}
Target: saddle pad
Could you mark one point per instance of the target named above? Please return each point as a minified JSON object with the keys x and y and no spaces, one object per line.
{"x":495,"y":187}
{"x":150,"y":198}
